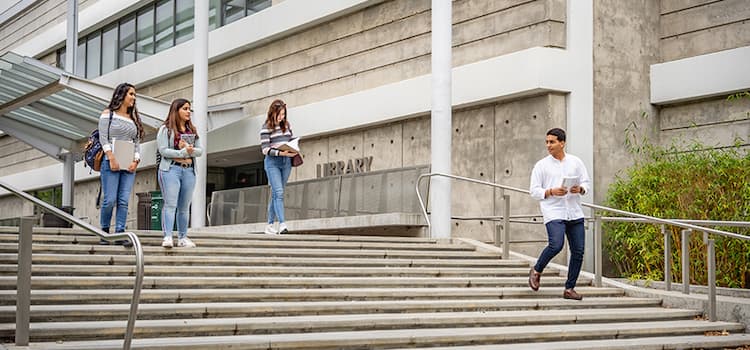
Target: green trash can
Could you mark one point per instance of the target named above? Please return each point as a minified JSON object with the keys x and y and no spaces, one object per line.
{"x":157,"y":202}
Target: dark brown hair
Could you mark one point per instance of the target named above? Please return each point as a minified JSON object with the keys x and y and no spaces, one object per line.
{"x":173,"y":117}
{"x":114,"y":104}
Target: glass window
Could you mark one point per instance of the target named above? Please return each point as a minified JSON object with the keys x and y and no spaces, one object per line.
{"x":93,"y":54}
{"x":145,"y":25}
{"x":61,"y":59}
{"x":213,"y":17}
{"x":164,"y":25}
{"x":254,"y":6}
{"x":109,"y":49}
{"x":127,"y":41}
{"x":81,"y":59}
{"x":232,"y":10}
{"x":183,"y":21}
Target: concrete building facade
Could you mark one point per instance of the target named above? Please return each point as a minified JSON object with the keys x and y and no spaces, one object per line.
{"x":355,"y":75}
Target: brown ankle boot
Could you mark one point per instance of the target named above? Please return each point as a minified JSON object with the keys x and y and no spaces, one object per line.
{"x":572,"y":294}
{"x":534,"y":279}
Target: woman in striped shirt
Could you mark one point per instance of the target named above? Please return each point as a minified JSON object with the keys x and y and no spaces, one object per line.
{"x":120,"y":121}
{"x":277,"y":163}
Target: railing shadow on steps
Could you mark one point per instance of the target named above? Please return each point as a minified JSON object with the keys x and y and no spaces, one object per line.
{"x":23,"y":288}
{"x":687,"y":226}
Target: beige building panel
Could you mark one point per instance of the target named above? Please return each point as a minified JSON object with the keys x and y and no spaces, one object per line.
{"x":710,"y":136}
{"x":500,"y":22}
{"x":417,"y":139}
{"x":315,"y":152}
{"x":9,"y":145}
{"x":668,"y":6}
{"x":384,"y":144}
{"x":704,"y":17}
{"x":704,"y":113}
{"x":346,"y":146}
{"x":548,"y":34}
{"x":36,"y":162}
{"x":472,"y":157}
{"x":716,"y":39}
{"x":359,"y":27}
{"x":34,"y":21}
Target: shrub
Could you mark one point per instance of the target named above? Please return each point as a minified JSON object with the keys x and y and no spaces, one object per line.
{"x":700,"y":184}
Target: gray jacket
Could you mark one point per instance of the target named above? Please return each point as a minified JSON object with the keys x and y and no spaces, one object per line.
{"x":165,"y":142}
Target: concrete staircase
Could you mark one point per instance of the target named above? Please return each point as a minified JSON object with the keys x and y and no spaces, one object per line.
{"x":253,"y":291}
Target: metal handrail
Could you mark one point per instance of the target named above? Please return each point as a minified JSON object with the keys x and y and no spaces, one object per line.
{"x":106,"y":236}
{"x":687,"y":225}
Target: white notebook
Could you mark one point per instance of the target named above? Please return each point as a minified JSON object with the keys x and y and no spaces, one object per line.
{"x":291,"y":145}
{"x":124,"y":151}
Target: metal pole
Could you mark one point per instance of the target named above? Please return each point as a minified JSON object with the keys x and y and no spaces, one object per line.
{"x":68,"y":183}
{"x":597,"y":250}
{"x":667,"y":258}
{"x":71,"y":44}
{"x":23,"y":289}
{"x":711,"y":281}
{"x":441,"y":123}
{"x":200,"y":108}
{"x":686,"y":261}
{"x":506,"y":227}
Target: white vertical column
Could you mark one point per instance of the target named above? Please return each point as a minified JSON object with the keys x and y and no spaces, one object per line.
{"x":71,"y":48}
{"x":200,"y":109}
{"x":580,"y":113}
{"x":441,"y":124}
{"x":68,"y":183}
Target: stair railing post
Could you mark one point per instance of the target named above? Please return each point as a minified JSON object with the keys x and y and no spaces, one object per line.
{"x":506,"y":226}
{"x":711,"y":280}
{"x":23,"y":289}
{"x":686,"y":261}
{"x":667,"y":258}
{"x":597,"y":249}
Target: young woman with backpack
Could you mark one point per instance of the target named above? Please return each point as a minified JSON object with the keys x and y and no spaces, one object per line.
{"x":120,"y":121}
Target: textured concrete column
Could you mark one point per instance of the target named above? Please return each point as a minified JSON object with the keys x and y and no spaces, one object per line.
{"x":441,"y":124}
{"x":200,"y":108}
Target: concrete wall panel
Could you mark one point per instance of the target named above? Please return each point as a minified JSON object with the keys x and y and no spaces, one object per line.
{"x":705,"y":112}
{"x":625,"y":45}
{"x":417,"y":140}
{"x":315,"y":152}
{"x":716,"y":39}
{"x":691,"y":28}
{"x":382,"y":141}
{"x":472,"y":157}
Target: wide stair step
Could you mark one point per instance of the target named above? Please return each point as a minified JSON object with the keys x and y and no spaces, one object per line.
{"x":251,"y":291}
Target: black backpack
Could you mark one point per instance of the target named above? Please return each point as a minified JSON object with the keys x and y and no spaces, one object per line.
{"x":93,"y":147}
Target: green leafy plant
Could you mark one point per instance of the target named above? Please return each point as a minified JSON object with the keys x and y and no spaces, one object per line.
{"x":702,"y":183}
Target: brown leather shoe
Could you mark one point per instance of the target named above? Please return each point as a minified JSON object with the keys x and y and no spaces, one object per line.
{"x":572,"y":294}
{"x":534,"y":279}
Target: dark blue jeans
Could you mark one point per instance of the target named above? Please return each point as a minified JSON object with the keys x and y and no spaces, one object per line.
{"x":556,"y":232}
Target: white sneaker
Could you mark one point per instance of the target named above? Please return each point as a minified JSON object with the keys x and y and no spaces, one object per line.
{"x":270,"y":230}
{"x":185,"y":243}
{"x":283,"y":228}
{"x":167,"y":242}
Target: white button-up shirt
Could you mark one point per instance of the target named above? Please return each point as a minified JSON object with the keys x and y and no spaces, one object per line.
{"x":548,"y":173}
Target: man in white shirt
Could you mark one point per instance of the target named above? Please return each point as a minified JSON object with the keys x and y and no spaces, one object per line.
{"x":557,"y":182}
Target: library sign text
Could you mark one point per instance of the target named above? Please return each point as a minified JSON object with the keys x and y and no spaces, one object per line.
{"x":351,"y":166}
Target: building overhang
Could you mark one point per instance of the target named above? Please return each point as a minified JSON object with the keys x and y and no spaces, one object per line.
{"x":54,"y":111}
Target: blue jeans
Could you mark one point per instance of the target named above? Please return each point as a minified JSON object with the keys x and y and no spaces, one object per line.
{"x":177,"y":186}
{"x":116,"y":187}
{"x":277,"y":171}
{"x":556,"y":232}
